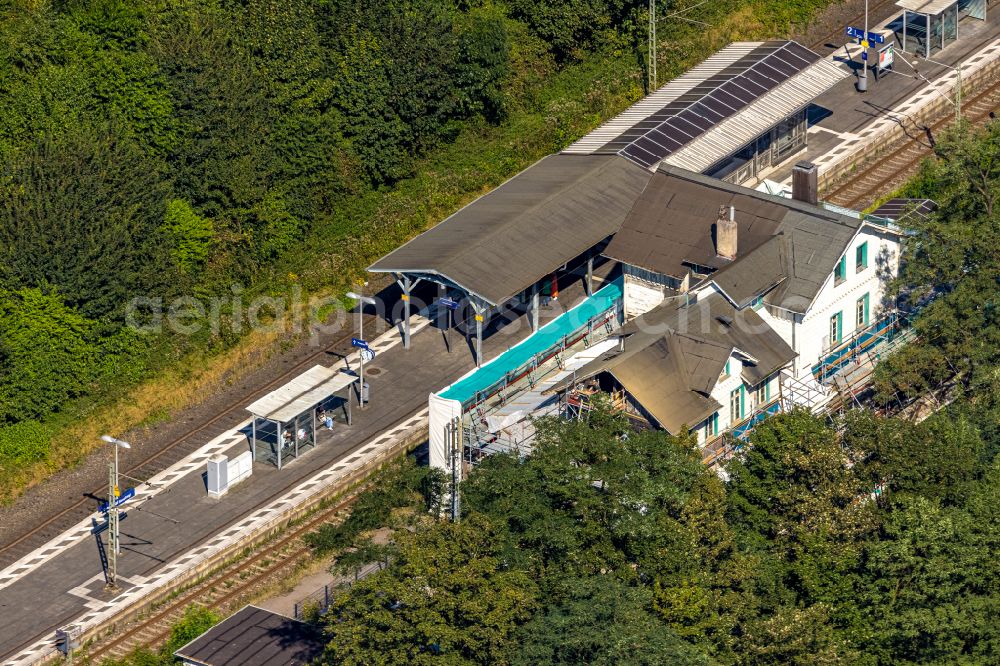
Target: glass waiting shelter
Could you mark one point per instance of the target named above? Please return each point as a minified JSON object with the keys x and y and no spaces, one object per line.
{"x":285,"y":420}
{"x":930,"y":25}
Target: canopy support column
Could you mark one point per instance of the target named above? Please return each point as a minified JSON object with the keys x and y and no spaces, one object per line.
{"x":478,"y":311}
{"x":280,"y":439}
{"x":927,"y":38}
{"x":906,"y":19}
{"x":590,"y":274}
{"x":534,"y":307}
{"x":406,"y":284}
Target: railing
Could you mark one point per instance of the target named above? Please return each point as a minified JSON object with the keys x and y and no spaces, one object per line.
{"x":723,"y":445}
{"x":843,"y":353}
{"x":741,"y":430}
{"x":313,"y":605}
{"x":529,"y":368}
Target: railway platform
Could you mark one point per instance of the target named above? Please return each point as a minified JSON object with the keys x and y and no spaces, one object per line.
{"x":844,"y":122}
{"x":173,"y":522}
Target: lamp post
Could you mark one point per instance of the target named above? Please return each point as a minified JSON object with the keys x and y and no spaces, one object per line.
{"x":113,"y":493}
{"x":362,"y":301}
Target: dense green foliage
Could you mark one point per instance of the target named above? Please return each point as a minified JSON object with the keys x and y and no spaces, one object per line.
{"x":952,"y":260}
{"x":874,"y":544}
{"x":202,"y":148}
{"x":867,"y":541}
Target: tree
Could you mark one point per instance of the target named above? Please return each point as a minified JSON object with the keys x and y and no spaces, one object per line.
{"x":450,"y":598}
{"x":604,"y":622}
{"x":922,"y":586}
{"x":191,"y":235}
{"x":796,"y":476}
{"x":83,"y":214}
{"x":48,"y":354}
{"x":195,"y":621}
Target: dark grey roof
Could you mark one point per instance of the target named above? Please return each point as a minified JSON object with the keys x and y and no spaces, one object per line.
{"x":255,"y":637}
{"x":672,"y":224}
{"x":714,"y":319}
{"x":508,"y":239}
{"x":673,"y":357}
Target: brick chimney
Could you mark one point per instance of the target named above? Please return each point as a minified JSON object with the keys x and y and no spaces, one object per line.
{"x":805,"y":182}
{"x":725,"y":233}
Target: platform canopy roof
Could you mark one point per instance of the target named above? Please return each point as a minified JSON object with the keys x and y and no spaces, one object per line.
{"x":717,"y":107}
{"x":932,"y":7}
{"x":512,"y":237}
{"x":301,"y":394}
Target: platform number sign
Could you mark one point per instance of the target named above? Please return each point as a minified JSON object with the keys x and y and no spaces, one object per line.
{"x":866,"y":39}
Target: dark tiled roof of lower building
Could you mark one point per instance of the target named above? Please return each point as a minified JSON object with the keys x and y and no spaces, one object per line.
{"x":255,"y":637}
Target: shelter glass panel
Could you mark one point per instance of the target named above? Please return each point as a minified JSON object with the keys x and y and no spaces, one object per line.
{"x":265,"y":441}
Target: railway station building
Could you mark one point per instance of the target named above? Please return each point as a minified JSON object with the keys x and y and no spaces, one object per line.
{"x":740,"y":304}
{"x":734,"y":116}
{"x":731,"y":304}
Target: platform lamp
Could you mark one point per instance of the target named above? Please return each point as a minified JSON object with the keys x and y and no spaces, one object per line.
{"x":362,"y":300}
{"x":113,"y":493}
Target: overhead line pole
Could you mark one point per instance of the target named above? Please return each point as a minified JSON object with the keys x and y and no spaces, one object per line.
{"x":651,"y":69}
{"x":114,"y":538}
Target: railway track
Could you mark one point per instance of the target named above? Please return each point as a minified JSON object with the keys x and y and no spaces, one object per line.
{"x":876,"y":12}
{"x":174,"y":451}
{"x":227,"y":587}
{"x":904,"y":156}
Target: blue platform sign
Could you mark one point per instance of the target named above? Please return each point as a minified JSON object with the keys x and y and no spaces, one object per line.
{"x":97,"y":528}
{"x":124,"y":497}
{"x":448,"y":303}
{"x":357,"y":342}
{"x":859,"y":33}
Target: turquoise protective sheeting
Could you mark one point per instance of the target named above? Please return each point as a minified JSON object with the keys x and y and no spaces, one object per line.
{"x":544,"y":339}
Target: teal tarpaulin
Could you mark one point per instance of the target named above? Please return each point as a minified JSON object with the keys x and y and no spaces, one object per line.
{"x":544,"y":339}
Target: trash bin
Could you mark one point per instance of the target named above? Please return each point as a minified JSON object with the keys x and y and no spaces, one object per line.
{"x":364,"y":392}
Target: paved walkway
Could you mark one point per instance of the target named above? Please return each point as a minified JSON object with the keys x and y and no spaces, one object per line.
{"x":173,"y":524}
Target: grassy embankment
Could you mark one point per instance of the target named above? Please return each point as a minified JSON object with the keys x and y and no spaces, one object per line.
{"x":551,"y":106}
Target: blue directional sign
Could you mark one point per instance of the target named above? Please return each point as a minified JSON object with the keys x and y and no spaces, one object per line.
{"x":859,"y":33}
{"x":101,"y":527}
{"x":357,"y":342}
{"x":448,"y":303}
{"x":124,"y":497}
